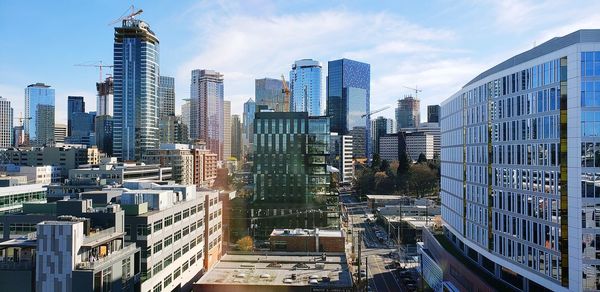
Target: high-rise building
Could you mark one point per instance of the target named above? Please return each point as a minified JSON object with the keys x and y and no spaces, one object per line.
{"x":236,"y":137}
{"x":408,"y":113}
{"x":105,"y":99}
{"x":433,"y":113}
{"x":227,"y":129}
{"x":341,"y":156}
{"x":60,"y":133}
{"x":166,"y":96}
{"x":136,"y":78}
{"x":39,"y":114}
{"x":520,"y":164}
{"x":104,"y":134}
{"x":83,"y":128}
{"x":248,"y":126}
{"x":173,"y":130}
{"x":180,"y":160}
{"x":379,"y":127}
{"x":290,"y":169}
{"x":348,"y":100}
{"x":269,"y":92}
{"x":6,"y":123}
{"x":75,"y":104}
{"x":19,"y":136}
{"x":185,"y":116}
{"x":206,"y":110}
{"x":305,"y":86}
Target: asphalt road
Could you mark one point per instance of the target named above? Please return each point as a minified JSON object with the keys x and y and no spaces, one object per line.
{"x":382,"y":276}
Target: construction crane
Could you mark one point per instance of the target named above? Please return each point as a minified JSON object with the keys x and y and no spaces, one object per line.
{"x":99,"y":66}
{"x":375,"y":111}
{"x":416,"y":90}
{"x":21,"y":118}
{"x":285,"y":90}
{"x":126,"y":16}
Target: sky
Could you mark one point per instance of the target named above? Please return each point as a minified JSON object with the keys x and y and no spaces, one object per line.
{"x":436,"y":45}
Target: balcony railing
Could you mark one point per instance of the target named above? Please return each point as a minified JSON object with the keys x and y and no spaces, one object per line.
{"x":111,"y":257}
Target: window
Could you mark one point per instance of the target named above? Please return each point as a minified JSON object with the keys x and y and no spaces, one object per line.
{"x":167,"y":280}
{"x":168,"y":240}
{"x":157,"y":268}
{"x":185,"y":248}
{"x":143,"y":230}
{"x":184,"y":266}
{"x":126,"y":270}
{"x":177,"y":217}
{"x":177,"y":236}
{"x":167,"y":261}
{"x":158,"y":287}
{"x":186,"y":230}
{"x":177,"y":254}
{"x":193,"y":210}
{"x":158,"y":225}
{"x":168,"y":221}
{"x":186,"y":213}
{"x":158,"y":246}
{"x":176,"y":273}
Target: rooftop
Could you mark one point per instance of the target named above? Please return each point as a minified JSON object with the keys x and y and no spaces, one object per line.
{"x":385,"y":197}
{"x":22,"y":189}
{"x":306,"y":232}
{"x":283,"y":268}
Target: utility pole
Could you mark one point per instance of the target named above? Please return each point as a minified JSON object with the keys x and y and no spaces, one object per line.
{"x":359,"y":255}
{"x":367,"y":271}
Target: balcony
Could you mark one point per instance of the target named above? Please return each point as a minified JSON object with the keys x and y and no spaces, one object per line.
{"x":109,"y":259}
{"x":22,"y":264}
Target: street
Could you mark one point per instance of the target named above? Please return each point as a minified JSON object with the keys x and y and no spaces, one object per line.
{"x":382,"y":273}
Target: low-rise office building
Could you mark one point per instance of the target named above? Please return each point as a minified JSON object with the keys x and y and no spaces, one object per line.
{"x":307,"y":240}
{"x":180,"y":160}
{"x":39,"y":174}
{"x":65,"y":156}
{"x":13,"y":180}
{"x":412,"y":143}
{"x":111,"y":172}
{"x":12,"y":198}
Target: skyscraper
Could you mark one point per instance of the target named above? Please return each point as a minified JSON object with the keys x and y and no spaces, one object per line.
{"x":433,"y":113}
{"x":519,"y":167}
{"x":348,"y":99}
{"x":185,"y":115}
{"x":408,"y":113}
{"x":379,"y":127}
{"x":6,"y":123}
{"x":104,"y":134}
{"x":136,"y":77}
{"x":227,"y":129}
{"x":248,"y":126}
{"x":39,"y":114}
{"x":269,"y":92}
{"x":206,"y":109}
{"x":236,"y":137}
{"x":104,"y":102}
{"x":305,"y":86}
{"x":82,"y":128}
{"x":75,"y":104}
{"x":166,"y":96}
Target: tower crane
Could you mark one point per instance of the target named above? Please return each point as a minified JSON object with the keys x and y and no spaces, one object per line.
{"x":286,"y":91}
{"x":125,"y":16}
{"x":375,"y":111}
{"x":21,"y":118}
{"x":99,"y":66}
{"x":416,"y":90}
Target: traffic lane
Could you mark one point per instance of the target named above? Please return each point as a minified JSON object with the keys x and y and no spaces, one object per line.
{"x":384,"y":279}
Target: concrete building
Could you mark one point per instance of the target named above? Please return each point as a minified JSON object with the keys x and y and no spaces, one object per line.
{"x":431,"y":129}
{"x":136,"y":84}
{"x":207,"y":110}
{"x":519,"y":165}
{"x":60,"y":133}
{"x":66,"y":157}
{"x":44,"y":175}
{"x":308,"y":240}
{"x":270,"y":92}
{"x":205,"y":166}
{"x":110,"y":172}
{"x":379,"y":127}
{"x":213,"y":232}
{"x":13,"y":180}
{"x":6,"y":123}
{"x":412,"y":143}
{"x":181,"y":161}
{"x":168,"y":224}
{"x":226,"y":129}
{"x":39,"y":114}
{"x":172,"y":130}
{"x":341,"y":156}
{"x":278,"y":271}
{"x":185,"y":117}
{"x":105,"y":98}
{"x":408,"y":112}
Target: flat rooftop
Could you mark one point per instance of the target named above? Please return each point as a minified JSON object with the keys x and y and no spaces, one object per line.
{"x":384,"y":197}
{"x":307,"y":232}
{"x":271,"y":269}
{"x":415,"y":221}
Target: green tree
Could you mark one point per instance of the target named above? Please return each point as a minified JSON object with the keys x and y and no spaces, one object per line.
{"x":422,"y":158}
{"x":422,"y":179}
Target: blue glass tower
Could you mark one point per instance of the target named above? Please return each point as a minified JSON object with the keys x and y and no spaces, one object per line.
{"x":305,"y":85}
{"x":136,"y":78}
{"x":39,"y":114}
{"x":348,"y":99}
{"x":75,"y":104}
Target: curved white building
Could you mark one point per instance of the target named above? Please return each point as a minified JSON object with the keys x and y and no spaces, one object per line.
{"x":520,"y":170}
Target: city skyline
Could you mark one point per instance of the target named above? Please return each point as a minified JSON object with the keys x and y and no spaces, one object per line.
{"x":431,"y":50}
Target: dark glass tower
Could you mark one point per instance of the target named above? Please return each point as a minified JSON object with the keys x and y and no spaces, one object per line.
{"x":75,"y":104}
{"x":136,"y":78}
{"x":348,"y":99}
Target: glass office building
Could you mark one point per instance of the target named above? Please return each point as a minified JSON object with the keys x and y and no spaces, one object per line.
{"x":408,"y":113}
{"x":305,"y":86}
{"x":39,"y":114}
{"x":166,"y":96}
{"x":348,"y":99}
{"x":520,"y":168}
{"x":207,"y":110}
{"x":136,"y":79}
{"x":269,"y":92}
{"x":75,"y":104}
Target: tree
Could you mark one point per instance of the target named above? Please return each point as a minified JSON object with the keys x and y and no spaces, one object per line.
{"x":385,"y":165}
{"x":422,"y":158}
{"x":422,"y":179}
{"x":384,"y":184}
{"x":376,"y":162}
{"x":245,"y":243}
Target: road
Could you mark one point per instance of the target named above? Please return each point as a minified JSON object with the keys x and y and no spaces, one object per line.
{"x":382,"y":275}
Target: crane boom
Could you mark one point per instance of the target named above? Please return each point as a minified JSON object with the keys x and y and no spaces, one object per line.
{"x":131,"y":15}
{"x":285,"y":90}
{"x":99,"y":66}
{"x":416,"y":90}
{"x":375,"y":111}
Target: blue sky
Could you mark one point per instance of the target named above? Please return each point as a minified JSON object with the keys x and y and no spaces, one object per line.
{"x":437,"y":45}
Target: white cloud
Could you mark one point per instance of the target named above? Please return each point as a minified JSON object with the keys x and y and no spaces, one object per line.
{"x":245,"y":47}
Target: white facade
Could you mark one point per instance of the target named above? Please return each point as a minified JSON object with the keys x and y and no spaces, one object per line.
{"x":419,"y":143}
{"x":227,"y":129}
{"x":347,"y":170}
{"x":429,"y":128}
{"x":527,"y":132}
{"x":6,"y":123}
{"x":40,"y":174}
